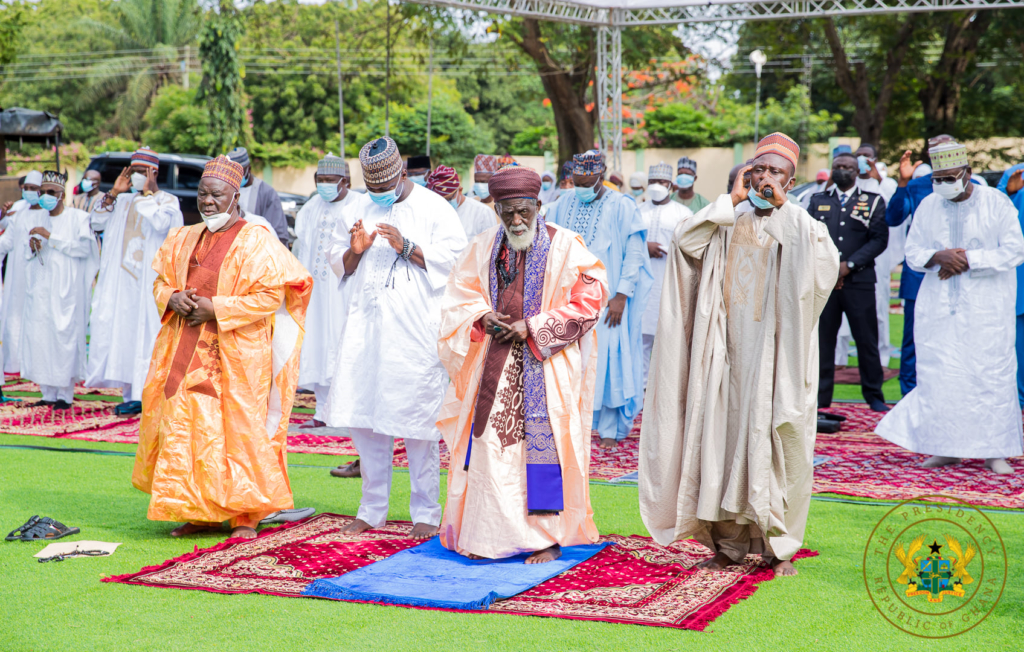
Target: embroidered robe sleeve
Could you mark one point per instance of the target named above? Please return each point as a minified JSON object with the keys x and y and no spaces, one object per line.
{"x":553,"y":330}
{"x":165,"y":285}
{"x":1009,"y":252}
{"x":693,"y":235}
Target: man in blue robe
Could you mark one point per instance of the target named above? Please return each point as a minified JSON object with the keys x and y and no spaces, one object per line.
{"x":613,"y":230}
{"x":1012,"y":184}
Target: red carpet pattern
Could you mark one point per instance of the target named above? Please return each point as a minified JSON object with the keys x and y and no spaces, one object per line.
{"x":636,"y":581}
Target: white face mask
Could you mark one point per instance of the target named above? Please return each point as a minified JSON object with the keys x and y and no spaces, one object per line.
{"x":217,"y":221}
{"x":138,"y":181}
{"x":657,"y":192}
{"x":949,"y":190}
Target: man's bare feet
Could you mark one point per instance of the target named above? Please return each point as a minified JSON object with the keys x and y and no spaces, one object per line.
{"x":423,"y":531}
{"x":608,"y":443}
{"x":357,"y":526}
{"x":935,"y":461}
{"x":783,"y":568}
{"x":998,"y":465}
{"x":716,"y":563}
{"x":243,"y":532}
{"x":546,"y":555}
{"x":191,"y":528}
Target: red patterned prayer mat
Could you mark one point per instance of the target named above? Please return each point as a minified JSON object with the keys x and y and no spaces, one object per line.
{"x":17,"y":384}
{"x":851,"y":375}
{"x":859,"y":417}
{"x":636,"y":581}
{"x":17,"y":418}
{"x":865,"y":465}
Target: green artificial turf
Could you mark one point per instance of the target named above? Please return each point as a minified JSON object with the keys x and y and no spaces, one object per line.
{"x":65,"y":606}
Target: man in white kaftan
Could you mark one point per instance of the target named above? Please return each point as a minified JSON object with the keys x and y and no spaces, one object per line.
{"x":730,"y":414}
{"x":967,"y":241}
{"x":135,"y":217}
{"x":661,"y":215}
{"x":18,"y":220}
{"x":394,"y":257}
{"x":325,"y":316}
{"x":58,"y":281}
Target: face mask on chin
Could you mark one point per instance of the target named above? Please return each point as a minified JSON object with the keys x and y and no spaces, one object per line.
{"x":217,"y":221}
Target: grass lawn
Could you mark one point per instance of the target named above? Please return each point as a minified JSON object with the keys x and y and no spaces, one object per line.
{"x":65,"y":606}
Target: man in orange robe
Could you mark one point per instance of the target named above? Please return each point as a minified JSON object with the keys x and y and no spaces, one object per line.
{"x":517,"y":340}
{"x":215,"y":408}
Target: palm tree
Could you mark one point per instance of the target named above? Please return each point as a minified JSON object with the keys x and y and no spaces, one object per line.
{"x":151,"y":33}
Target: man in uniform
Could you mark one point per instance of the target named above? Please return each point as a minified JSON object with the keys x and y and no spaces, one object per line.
{"x":856,"y":223}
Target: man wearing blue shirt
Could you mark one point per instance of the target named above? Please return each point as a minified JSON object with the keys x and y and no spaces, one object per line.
{"x":1011,"y":183}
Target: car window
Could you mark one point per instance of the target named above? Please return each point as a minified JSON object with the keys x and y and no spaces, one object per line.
{"x":188,"y":177}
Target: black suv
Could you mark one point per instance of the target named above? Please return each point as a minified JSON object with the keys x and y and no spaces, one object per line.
{"x":179,"y":175}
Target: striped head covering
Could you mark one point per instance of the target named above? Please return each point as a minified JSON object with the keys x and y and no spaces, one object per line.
{"x":381,"y":160}
{"x":781,"y":144}
{"x":948,"y":156}
{"x":146,"y":156}
{"x":505,"y":159}
{"x":661,"y":172}
{"x":687,"y":162}
{"x":589,"y":162}
{"x":444,"y":181}
{"x":224,"y":169}
{"x":53,"y":178}
{"x":567,"y":170}
{"x":240,"y":155}
{"x":485,"y":163}
{"x":514,"y":182}
{"x":332,"y":165}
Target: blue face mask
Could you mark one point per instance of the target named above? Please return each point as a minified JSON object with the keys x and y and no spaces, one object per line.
{"x":758,"y":202}
{"x":454,"y":203}
{"x":545,"y":185}
{"x":863,"y":165}
{"x":685,"y":180}
{"x":584,"y":194}
{"x":419,"y":180}
{"x":87,"y":185}
{"x":31,"y":196}
{"x":387,"y":198}
{"x":327,"y":191}
{"x":481,"y":190}
{"x":48,"y":202}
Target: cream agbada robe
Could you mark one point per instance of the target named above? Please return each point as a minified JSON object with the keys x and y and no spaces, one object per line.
{"x":738,"y":338}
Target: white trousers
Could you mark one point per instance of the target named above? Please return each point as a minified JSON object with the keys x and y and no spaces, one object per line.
{"x":126,"y":391}
{"x":648,"y":346}
{"x":376,"y":452}
{"x":321,"y":392}
{"x":53,"y":394}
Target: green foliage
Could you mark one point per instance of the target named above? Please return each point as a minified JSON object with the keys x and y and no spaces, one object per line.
{"x":285,"y":155}
{"x":221,"y":88}
{"x":175,"y":122}
{"x":534,"y":141}
{"x":506,"y":106}
{"x":117,"y":144}
{"x":12,"y":24}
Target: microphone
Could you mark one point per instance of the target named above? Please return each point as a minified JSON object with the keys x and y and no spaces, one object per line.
{"x":767,"y":192}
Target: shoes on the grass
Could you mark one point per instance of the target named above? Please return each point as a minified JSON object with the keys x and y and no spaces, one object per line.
{"x":41,"y":529}
{"x":350,"y":470}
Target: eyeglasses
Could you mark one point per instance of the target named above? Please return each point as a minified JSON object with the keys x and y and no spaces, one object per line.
{"x":952,"y":179}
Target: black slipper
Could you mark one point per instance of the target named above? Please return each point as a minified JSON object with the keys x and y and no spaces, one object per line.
{"x":128,"y":408}
{"x":40,"y":404}
{"x":61,"y":405}
{"x":47,"y":529}
{"x":16,"y":533}
{"x":831,"y":416}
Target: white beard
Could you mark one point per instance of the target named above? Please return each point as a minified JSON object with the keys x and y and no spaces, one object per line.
{"x":523,"y":241}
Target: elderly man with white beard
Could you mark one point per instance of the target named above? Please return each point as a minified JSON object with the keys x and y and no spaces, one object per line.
{"x":518,"y":340}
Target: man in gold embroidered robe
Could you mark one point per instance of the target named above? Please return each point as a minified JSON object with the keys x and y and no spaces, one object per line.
{"x":517,"y":340}
{"x":730,"y":414}
{"x":232,"y":300}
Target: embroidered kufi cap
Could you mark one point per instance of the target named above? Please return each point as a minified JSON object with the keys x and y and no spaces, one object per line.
{"x":589,"y":162}
{"x":146,"y":156}
{"x":948,"y":155}
{"x":662,"y":171}
{"x":781,"y":144}
{"x":381,"y":160}
{"x":224,"y":169}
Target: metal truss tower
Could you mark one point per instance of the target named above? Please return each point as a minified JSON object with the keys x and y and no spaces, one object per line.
{"x":609,"y":93}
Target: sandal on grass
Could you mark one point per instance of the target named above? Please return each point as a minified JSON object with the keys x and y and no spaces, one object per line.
{"x":47,"y":529}
{"x":17,"y":532}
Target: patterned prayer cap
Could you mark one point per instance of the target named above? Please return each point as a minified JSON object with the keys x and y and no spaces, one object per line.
{"x":239,"y":155}
{"x":33,"y":178}
{"x":332,"y":164}
{"x":589,"y":162}
{"x":661,"y":172}
{"x":687,"y":162}
{"x":146,"y":156}
{"x":224,"y":169}
{"x":505,"y":159}
{"x":485,"y":163}
{"x":781,"y":144}
{"x":567,"y":170}
{"x":948,"y":156}
{"x":514,"y":182}
{"x":53,"y":178}
{"x":444,"y":181}
{"x":381,"y":160}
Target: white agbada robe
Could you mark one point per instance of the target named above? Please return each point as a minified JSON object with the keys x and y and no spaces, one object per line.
{"x":59,"y":283}
{"x":661,"y":224}
{"x":14,"y":244}
{"x":125,"y":320}
{"x":476,"y":217}
{"x":965,"y":403}
{"x":325,"y":316}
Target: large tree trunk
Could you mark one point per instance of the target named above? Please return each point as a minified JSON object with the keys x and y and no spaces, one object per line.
{"x":567,"y":90}
{"x":869,"y":117}
{"x":940,"y":97}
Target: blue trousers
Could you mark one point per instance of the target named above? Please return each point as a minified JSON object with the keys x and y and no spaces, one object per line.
{"x":1020,"y":359}
{"x":612,"y":423}
{"x":908,"y":357}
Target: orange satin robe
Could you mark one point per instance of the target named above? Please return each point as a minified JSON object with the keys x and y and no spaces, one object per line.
{"x":215,"y":449}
